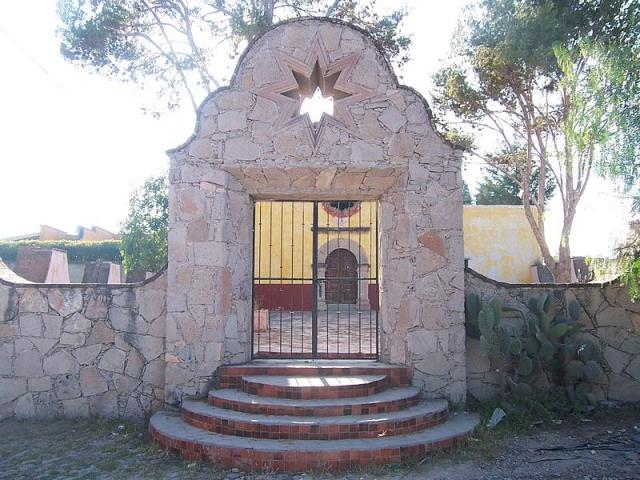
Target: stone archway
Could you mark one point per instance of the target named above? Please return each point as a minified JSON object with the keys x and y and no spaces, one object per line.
{"x":251,"y":142}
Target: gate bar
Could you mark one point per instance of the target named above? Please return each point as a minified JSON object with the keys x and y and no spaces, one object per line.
{"x":314,"y":307}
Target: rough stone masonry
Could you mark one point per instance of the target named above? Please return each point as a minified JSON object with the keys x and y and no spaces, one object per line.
{"x":79,"y":350}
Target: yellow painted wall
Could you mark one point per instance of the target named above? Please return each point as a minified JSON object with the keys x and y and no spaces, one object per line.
{"x":497,"y":239}
{"x":294,"y":241}
{"x":498,"y":242}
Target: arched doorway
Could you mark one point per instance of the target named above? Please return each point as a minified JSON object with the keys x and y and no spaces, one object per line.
{"x":341,"y":277}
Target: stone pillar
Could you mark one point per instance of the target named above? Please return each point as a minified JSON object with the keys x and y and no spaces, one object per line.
{"x":208,"y":298}
{"x":422,"y":270}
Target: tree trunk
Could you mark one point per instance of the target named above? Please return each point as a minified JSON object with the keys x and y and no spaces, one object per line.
{"x":564,"y":267}
{"x":267,"y":6}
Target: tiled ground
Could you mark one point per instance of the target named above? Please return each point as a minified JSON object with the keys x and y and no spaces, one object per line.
{"x":348,"y":332}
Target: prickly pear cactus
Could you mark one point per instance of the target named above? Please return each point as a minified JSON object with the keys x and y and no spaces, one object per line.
{"x":547,"y":345}
{"x":582,"y":369}
{"x":472,"y":307}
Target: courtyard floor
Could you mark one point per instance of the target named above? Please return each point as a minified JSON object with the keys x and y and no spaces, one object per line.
{"x":348,"y":332}
{"x":605,"y":447}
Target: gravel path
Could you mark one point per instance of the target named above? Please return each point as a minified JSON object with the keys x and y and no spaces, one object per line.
{"x":607,"y":447}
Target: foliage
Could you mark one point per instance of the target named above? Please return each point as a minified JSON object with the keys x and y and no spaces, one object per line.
{"x":530,"y":75}
{"x":176,"y":45}
{"x":629,"y":258}
{"x":611,"y":30}
{"x":467,"y":199}
{"x":631,"y":277}
{"x":604,"y":268}
{"x":144,"y":232}
{"x":500,"y":189}
{"x":77,"y":251}
{"x":546,"y":347}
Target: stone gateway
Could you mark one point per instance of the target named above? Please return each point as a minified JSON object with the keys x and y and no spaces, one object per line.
{"x":251,"y":143}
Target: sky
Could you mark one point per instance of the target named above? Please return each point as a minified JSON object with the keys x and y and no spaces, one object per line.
{"x":75,"y":144}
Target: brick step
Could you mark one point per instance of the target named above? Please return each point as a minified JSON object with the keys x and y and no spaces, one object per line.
{"x":426,"y":414}
{"x":229,"y":375}
{"x":388,"y":401}
{"x":192,"y":443}
{"x":315,"y":387}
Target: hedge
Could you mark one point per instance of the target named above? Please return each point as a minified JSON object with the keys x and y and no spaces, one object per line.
{"x":77,"y":252}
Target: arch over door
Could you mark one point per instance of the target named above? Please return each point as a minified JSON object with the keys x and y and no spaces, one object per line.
{"x":341,"y":277}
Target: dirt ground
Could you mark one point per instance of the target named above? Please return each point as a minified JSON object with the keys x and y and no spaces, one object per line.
{"x":607,"y":446}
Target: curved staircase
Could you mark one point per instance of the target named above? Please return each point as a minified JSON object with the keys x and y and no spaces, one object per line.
{"x":299,"y":416}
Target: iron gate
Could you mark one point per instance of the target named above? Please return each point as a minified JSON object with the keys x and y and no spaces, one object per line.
{"x":315,"y":279}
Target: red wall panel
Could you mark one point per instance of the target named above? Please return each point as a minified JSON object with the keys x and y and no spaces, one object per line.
{"x":373,"y":296}
{"x":296,"y":297}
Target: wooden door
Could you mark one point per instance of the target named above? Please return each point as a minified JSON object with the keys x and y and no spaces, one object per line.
{"x":341,"y":277}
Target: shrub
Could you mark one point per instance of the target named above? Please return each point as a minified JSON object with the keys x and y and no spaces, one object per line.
{"x":77,"y":252}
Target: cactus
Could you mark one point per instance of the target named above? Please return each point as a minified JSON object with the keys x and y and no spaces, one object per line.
{"x":558,"y":331}
{"x":582,"y":368}
{"x":472,"y":307}
{"x":575,"y":369}
{"x":531,"y":345}
{"x":547,"y":345}
{"x":547,"y":350}
{"x":515,"y":346}
{"x":574,"y":310}
{"x":525,"y":367}
{"x":591,"y":370}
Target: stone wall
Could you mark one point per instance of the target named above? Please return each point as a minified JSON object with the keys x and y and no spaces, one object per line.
{"x":611,"y":320}
{"x":80,"y":350}
{"x":379,"y":144}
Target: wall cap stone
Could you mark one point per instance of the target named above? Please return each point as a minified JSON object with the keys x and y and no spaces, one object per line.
{"x":498,"y":283}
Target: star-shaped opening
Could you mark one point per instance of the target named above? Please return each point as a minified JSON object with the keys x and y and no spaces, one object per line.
{"x":316,"y":106}
{"x":315,"y":76}
{"x":315,"y":93}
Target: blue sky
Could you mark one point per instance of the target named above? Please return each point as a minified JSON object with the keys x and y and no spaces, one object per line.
{"x":75,"y":144}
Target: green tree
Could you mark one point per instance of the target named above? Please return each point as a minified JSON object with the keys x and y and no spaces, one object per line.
{"x":526,"y":75}
{"x":497,"y":188}
{"x":629,"y":258}
{"x":467,"y":199}
{"x":144,"y":233}
{"x":175,"y":45}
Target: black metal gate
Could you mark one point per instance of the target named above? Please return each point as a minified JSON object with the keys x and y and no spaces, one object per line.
{"x":315,"y":279}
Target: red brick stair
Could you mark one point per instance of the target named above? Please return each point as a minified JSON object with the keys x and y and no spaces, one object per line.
{"x":313,"y":388}
{"x":298,"y":416}
{"x":390,"y":400}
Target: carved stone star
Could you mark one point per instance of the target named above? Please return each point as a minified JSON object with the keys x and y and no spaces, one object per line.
{"x":301,"y":79}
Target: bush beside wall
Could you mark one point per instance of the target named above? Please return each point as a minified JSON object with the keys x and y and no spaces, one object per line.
{"x":77,"y":252}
